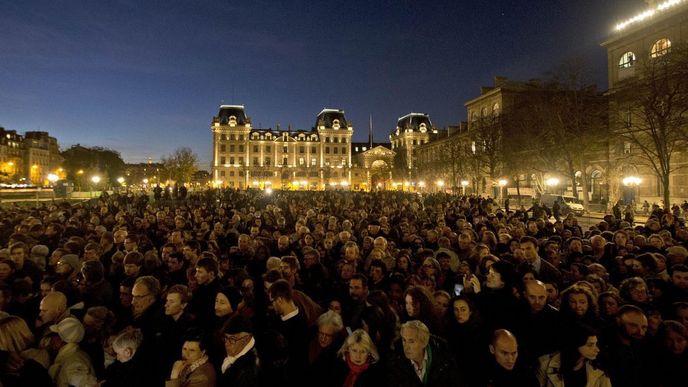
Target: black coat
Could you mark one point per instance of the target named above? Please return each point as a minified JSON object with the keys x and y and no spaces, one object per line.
{"x":243,"y":373}
{"x":442,"y":369}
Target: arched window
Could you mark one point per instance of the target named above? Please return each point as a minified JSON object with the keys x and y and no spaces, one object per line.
{"x":661,"y":47}
{"x":223,"y":137}
{"x":483,"y":112}
{"x":627,"y":60}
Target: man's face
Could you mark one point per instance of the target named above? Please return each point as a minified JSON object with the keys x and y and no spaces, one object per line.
{"x":125,"y":296}
{"x":286,"y":270}
{"x":173,"y":304}
{"x":48,"y":311}
{"x":356,"y":289}
{"x":529,"y":251}
{"x":675,"y":342}
{"x":165,"y":254}
{"x":350,"y":254}
{"x":505,"y":352}
{"x":129,"y":245}
{"x":141,"y":299}
{"x":552,"y":294}
{"x":376,"y":273}
{"x":203,"y":276}
{"x":633,"y":325}
{"x":90,"y":255}
{"x":173,"y":264}
{"x":536,"y":295}
{"x":680,"y":279}
{"x":414,"y":348}
{"x":17,"y":256}
{"x":244,"y":242}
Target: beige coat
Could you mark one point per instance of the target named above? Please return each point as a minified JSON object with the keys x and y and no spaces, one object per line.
{"x":549,"y":376}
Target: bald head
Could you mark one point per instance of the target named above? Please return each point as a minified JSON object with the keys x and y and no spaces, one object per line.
{"x":52,"y":306}
{"x":504,"y":347}
{"x":536,"y":294}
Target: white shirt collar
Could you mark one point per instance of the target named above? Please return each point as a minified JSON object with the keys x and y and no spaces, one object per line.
{"x":229,"y":360}
{"x":290,"y":315}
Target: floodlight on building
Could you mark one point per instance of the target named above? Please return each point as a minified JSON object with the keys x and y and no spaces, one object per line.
{"x":631,"y":181}
{"x":661,"y":7}
{"x":344,"y":183}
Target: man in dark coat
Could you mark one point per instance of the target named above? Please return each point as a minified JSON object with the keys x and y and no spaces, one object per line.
{"x":504,"y":369}
{"x":202,"y":305}
{"x":424,"y":361}
{"x":240,"y":367}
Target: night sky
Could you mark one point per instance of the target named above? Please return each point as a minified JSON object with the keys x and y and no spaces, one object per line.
{"x":145,"y":77}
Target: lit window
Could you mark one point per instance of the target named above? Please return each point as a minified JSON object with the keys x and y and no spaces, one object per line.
{"x":301,"y":161}
{"x":661,"y":47}
{"x":313,"y":162}
{"x":627,"y":60}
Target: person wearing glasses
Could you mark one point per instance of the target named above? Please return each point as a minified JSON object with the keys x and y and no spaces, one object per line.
{"x":240,"y":367}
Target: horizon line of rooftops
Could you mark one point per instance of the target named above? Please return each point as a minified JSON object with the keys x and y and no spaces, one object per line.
{"x":328,"y":118}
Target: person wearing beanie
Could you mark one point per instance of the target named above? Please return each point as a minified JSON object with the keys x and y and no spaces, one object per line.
{"x":239,"y":367}
{"x":68,"y":267}
{"x":39,"y":254}
{"x":71,"y":366}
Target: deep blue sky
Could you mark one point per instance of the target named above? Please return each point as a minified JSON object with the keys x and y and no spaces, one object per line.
{"x":145,"y":77}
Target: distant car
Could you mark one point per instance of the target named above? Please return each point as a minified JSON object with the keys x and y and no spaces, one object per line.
{"x":568,"y":203}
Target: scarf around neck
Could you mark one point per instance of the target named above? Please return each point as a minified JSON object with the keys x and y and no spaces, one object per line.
{"x":355,"y":371}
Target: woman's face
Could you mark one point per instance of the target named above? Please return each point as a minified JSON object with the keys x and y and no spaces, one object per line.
{"x":462,"y":312}
{"x":620,"y":239}
{"x":222,"y":306}
{"x":639,"y":294}
{"x":411,"y":307}
{"x":494,"y":279}
{"x":589,"y":350}
{"x":609,"y":306}
{"x":403,"y":263}
{"x":578,"y":302}
{"x":358,"y":354}
{"x":191,"y":351}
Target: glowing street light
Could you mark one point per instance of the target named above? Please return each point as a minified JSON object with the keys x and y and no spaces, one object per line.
{"x":440,"y":183}
{"x":52,"y":178}
{"x":145,"y":181}
{"x":631,"y":181}
{"x":552,"y":182}
{"x":268,"y":191}
{"x":502,"y":182}
{"x":120,"y":180}
{"x":421,"y":184}
{"x":95,"y":179}
{"x":464,"y":183}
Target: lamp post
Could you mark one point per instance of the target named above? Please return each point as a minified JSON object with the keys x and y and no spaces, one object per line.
{"x":95,"y":180}
{"x":464,"y":184}
{"x":502,"y":183}
{"x":631,"y":183}
{"x":440,"y":185}
{"x":552,"y":182}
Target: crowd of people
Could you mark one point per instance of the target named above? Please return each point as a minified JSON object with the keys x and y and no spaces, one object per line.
{"x":248,"y":288}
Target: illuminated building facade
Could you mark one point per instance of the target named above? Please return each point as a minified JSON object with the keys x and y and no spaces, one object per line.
{"x":28,"y":158}
{"x":648,"y":35}
{"x":248,"y":157}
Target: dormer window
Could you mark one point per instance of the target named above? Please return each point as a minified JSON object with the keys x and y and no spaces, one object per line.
{"x":423,"y":128}
{"x":232,"y":120}
{"x":335,"y":124}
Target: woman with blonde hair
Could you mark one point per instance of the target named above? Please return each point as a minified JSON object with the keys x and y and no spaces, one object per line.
{"x":22,"y":365}
{"x":360,"y":358}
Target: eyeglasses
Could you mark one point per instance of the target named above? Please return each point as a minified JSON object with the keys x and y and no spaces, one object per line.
{"x":228,"y":339}
{"x":140,"y":296}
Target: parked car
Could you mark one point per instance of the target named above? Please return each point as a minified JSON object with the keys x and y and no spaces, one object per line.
{"x":568,"y":203}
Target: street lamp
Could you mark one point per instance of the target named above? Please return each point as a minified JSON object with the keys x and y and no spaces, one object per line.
{"x":464,"y":184}
{"x":552,"y":182}
{"x":52,"y":178}
{"x":440,"y":184}
{"x":95,"y":179}
{"x":631,"y":181}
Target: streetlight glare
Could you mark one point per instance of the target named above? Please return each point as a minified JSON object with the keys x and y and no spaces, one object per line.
{"x":464,"y":183}
{"x":502,"y":182}
{"x":631,"y":181}
{"x":52,"y":177}
{"x":552,"y":182}
{"x":95,"y":179}
{"x":120,"y":180}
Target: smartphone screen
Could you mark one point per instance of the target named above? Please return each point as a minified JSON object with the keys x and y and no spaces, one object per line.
{"x":458,"y":288}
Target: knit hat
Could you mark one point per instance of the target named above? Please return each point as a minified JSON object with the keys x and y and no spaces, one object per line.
{"x":70,"y":330}
{"x":233,"y":295}
{"x":40,"y":251}
{"x":71,"y":260}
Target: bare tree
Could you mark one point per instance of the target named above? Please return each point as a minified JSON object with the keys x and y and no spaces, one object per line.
{"x":181,"y":164}
{"x":653,"y":109}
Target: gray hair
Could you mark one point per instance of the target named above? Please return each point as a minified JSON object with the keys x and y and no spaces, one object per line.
{"x":331,"y":318}
{"x":359,"y":336}
{"x":421,"y":330}
{"x":131,"y":339}
{"x":151,"y":283}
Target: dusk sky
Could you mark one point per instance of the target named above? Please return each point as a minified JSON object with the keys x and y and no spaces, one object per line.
{"x":146,"y":77}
